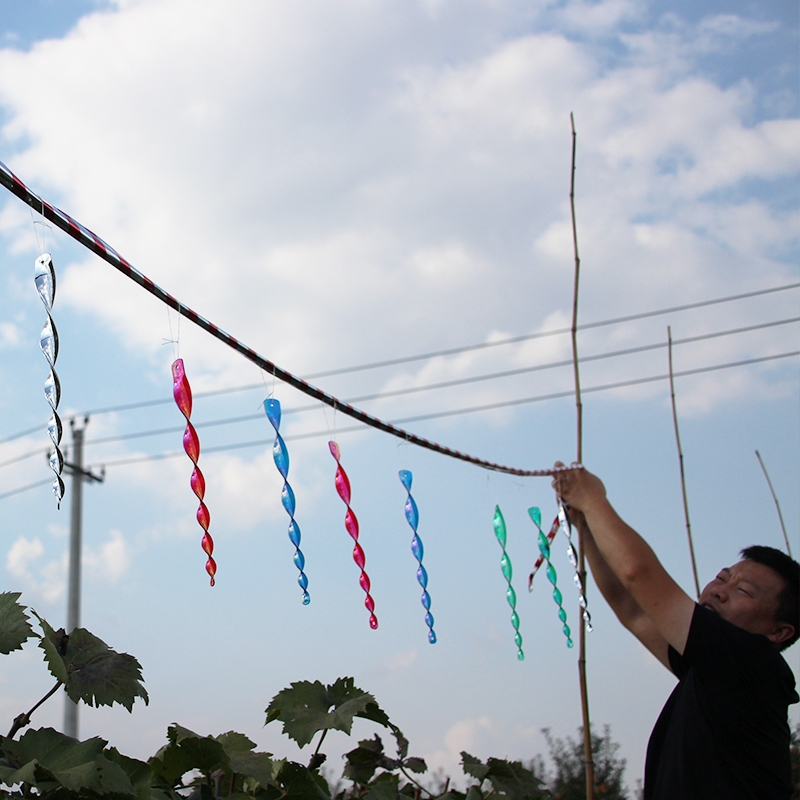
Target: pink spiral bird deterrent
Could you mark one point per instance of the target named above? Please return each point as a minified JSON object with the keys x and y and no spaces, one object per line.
{"x":540,"y":560}
{"x":351,"y":524}
{"x":182,"y":393}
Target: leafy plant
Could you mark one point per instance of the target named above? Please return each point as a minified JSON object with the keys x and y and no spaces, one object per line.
{"x":47,"y":764}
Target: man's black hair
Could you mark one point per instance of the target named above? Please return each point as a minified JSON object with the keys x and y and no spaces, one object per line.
{"x":789,"y":599}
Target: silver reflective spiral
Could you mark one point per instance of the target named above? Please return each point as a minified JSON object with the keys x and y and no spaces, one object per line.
{"x":45,"y":278}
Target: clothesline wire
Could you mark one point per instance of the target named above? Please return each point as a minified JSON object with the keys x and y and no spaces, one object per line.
{"x":409,"y":390}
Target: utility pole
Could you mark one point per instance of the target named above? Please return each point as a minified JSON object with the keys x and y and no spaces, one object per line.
{"x":79,"y":476}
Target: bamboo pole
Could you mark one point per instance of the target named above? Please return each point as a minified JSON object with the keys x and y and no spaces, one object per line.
{"x":587,"y":728}
{"x":777,"y":504}
{"x":680,"y":462}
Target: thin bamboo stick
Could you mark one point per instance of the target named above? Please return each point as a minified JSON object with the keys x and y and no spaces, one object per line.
{"x":587,"y":728}
{"x":680,"y":461}
{"x":777,"y":504}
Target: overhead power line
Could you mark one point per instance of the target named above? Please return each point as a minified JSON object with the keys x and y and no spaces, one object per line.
{"x":416,"y":389}
{"x":435,"y":415}
{"x":446,"y":352}
{"x":461,"y":411}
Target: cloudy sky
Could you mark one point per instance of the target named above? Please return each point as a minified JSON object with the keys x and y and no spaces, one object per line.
{"x":342,"y":184}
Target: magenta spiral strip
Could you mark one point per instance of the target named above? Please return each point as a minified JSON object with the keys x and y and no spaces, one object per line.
{"x":182,"y":393}
{"x":540,"y":560}
{"x":342,"y":483}
{"x":93,"y":242}
{"x":45,"y":279}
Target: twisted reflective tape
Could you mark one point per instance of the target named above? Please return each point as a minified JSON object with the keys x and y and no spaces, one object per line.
{"x":182,"y":393}
{"x":412,"y":517}
{"x":342,"y":483}
{"x":540,"y":560}
{"x":566,"y":527}
{"x":505,"y":567}
{"x":544,"y":549}
{"x":94,"y":243}
{"x":280,"y":455}
{"x":44,"y":276}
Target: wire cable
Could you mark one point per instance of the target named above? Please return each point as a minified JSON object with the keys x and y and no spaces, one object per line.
{"x":417,"y":389}
{"x":436,"y":415}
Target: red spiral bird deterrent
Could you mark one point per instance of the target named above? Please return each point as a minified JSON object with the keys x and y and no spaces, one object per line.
{"x":351,"y":524}
{"x":182,"y":393}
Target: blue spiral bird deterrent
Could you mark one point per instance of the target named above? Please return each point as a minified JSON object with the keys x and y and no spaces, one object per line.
{"x":544,"y":548}
{"x":281,"y":457}
{"x":505,"y":567}
{"x":412,"y":515}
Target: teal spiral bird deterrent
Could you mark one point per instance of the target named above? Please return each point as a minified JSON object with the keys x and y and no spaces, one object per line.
{"x":45,"y":279}
{"x":565,"y":526}
{"x":544,"y":549}
{"x":505,"y":566}
{"x":412,"y":517}
{"x":281,"y":457}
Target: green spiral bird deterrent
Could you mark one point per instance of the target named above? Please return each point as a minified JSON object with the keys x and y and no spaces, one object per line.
{"x":505,"y":566}
{"x":544,"y":548}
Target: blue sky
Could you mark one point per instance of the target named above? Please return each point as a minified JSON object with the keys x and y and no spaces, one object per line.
{"x":340,"y":186}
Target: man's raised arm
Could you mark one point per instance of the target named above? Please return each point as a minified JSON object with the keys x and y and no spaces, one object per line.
{"x":628,"y":611}
{"x":629,"y":558}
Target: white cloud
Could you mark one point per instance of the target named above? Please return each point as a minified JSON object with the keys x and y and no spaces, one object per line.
{"x":9,"y":334}
{"x":22,"y":552}
{"x":302,"y":177}
{"x":110,"y":561}
{"x":45,"y":580}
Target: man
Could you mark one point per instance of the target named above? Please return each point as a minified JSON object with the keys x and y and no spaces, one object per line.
{"x":723,"y":733}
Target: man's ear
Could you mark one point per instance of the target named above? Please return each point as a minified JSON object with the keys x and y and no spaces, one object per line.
{"x":782,"y":632}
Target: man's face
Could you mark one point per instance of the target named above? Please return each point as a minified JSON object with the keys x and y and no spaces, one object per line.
{"x":746,"y":594}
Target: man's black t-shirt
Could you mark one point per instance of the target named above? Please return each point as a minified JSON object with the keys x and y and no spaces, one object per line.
{"x":723,"y":733}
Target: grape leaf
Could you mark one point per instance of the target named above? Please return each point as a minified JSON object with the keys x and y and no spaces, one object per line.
{"x":185,"y":752}
{"x":508,"y":778}
{"x":364,"y":760}
{"x":90,"y":670}
{"x":415,"y":764}
{"x":299,"y":783}
{"x":14,"y":626}
{"x":139,"y":773}
{"x":46,"y":758}
{"x":306,"y":708}
{"x":384,"y":788}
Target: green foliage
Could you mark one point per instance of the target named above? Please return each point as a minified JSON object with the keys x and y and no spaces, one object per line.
{"x":47,"y":764}
{"x":307,"y":708}
{"x":89,"y":669}
{"x":15,"y":629}
{"x":508,"y":778}
{"x":55,"y":764}
{"x":570,"y":778}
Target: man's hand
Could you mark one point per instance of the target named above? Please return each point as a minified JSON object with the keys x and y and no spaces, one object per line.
{"x":646,"y":599}
{"x":579,"y":488}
